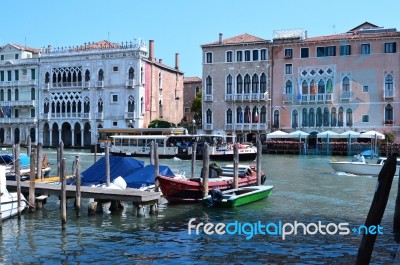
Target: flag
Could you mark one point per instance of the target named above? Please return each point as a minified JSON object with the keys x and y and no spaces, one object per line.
{"x":256,"y":116}
{"x":8,"y":112}
{"x":2,"y":111}
{"x":329,"y":87}
{"x":299,"y":96}
{"x":314,"y":89}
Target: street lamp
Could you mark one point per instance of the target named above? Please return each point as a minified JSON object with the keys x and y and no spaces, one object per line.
{"x":194,"y":123}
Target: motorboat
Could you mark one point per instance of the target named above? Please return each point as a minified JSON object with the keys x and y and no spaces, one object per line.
{"x":360,"y":166}
{"x":9,"y":200}
{"x":7,"y":160}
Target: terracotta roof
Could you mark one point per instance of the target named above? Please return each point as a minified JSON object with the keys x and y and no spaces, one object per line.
{"x":192,"y":79}
{"x":351,"y":36}
{"x":243,"y":38}
{"x":24,"y":48}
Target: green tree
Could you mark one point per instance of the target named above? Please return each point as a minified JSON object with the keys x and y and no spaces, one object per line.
{"x":197,"y":108}
{"x":161,"y":124}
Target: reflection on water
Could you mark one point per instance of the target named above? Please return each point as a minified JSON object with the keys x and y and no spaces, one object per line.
{"x":306,"y":190}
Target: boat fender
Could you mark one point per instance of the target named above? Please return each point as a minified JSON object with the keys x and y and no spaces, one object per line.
{"x":215,"y":197}
{"x":263,"y":179}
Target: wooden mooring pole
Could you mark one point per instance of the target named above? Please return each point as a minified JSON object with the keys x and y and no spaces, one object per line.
{"x":39,"y":161}
{"x":206,"y":169}
{"x":32,"y":176}
{"x":17,"y":170}
{"x":377,"y":209}
{"x":194,"y":150}
{"x":63,"y":199}
{"x":156,"y":168}
{"x":78,"y":185}
{"x":107,"y":154}
{"x":235,"y":166}
{"x":28,"y":145}
{"x":258,"y":160}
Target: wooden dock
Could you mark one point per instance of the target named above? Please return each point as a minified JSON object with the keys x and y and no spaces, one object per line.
{"x":137,"y":197}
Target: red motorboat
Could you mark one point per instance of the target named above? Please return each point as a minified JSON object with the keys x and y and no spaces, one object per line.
{"x":191,"y":190}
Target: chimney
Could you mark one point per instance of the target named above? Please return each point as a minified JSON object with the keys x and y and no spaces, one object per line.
{"x":151,"y":50}
{"x":177,"y":61}
{"x":220,"y":38}
{"x":160,"y":61}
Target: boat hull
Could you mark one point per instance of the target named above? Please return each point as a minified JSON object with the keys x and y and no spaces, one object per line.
{"x":243,"y":156}
{"x":9,"y":204}
{"x":241,"y":196}
{"x":359,"y":168}
{"x":191,"y":191}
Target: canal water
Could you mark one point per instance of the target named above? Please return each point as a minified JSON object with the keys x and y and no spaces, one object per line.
{"x":307,"y":193}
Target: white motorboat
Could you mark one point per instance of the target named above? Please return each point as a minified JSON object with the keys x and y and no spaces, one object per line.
{"x":361,"y":167}
{"x":9,"y":200}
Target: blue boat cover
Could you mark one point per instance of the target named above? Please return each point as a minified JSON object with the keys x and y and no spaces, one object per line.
{"x":8,"y":159}
{"x":145,"y":176}
{"x":119,"y":166}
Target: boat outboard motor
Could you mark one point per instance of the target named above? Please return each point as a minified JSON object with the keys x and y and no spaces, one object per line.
{"x":215,"y":197}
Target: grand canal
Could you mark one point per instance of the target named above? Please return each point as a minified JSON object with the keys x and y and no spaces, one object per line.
{"x":306,"y":191}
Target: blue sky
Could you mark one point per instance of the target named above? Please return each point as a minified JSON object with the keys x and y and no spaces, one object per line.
{"x":181,"y":25}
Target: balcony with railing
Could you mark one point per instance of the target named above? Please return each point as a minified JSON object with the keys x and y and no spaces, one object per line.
{"x":208,"y":127}
{"x":248,"y":127}
{"x":8,"y":83}
{"x":19,"y":103}
{"x":130,"y":83}
{"x":86,"y":116}
{"x":345,"y":95}
{"x":86,"y":85}
{"x":246,"y":97}
{"x":46,"y":86}
{"x":100,"y":84}
{"x":288,"y":98}
{"x":73,"y":115}
{"x":388,"y":93}
{"x":99,"y":116}
{"x":129,"y":115}
{"x":229,"y":97}
{"x":77,"y":84}
{"x":208,"y":97}
{"x":18,"y":120}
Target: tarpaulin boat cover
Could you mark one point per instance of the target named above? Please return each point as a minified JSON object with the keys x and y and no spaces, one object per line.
{"x":145,"y":176}
{"x":7,"y":159}
{"x":119,"y":166}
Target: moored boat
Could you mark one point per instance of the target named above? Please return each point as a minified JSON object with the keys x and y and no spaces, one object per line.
{"x":7,"y":160}
{"x":191,"y":190}
{"x":362,"y":167}
{"x":236,"y":197}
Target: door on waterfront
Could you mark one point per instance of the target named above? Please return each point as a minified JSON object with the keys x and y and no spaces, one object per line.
{"x":54,"y":135}
{"x":77,"y":135}
{"x":32,"y":134}
{"x":46,"y":135}
{"x":66,"y":134}
{"x":16,"y":136}
{"x":86,"y":135}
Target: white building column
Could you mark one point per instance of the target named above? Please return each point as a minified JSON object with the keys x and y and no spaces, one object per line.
{"x":73,"y":137}
{"x":50,"y":136}
{"x":59,"y":135}
{"x":82,"y":137}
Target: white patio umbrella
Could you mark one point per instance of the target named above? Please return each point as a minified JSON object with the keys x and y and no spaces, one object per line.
{"x":373,"y":135}
{"x":349,"y":134}
{"x":277,"y":134}
{"x":327,"y":134}
{"x":299,"y":134}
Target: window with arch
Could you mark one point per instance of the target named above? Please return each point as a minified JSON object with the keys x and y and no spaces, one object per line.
{"x":389,"y":86}
{"x":389,"y":114}
{"x":295,"y":116}
{"x":16,"y":94}
{"x":319,"y":117}
{"x":326,"y":117}
{"x":229,"y":84}
{"x":247,"y":115}
{"x":329,"y":86}
{"x":208,"y":85}
{"x":313,"y":87}
{"x":349,"y":117}
{"x":1,"y":95}
{"x":304,"y":88}
{"x":9,"y":94}
{"x":263,"y":83}
{"x":321,"y":87}
{"x":209,"y":116}
{"x":276,"y":118}
{"x":304,"y":116}
{"x":239,"y":84}
{"x":33,"y":93}
{"x":263,"y":115}
{"x":87,"y":75}
{"x":86,"y":106}
{"x":100,"y":105}
{"x":46,"y":106}
{"x":254,"y":83}
{"x":159,"y":80}
{"x":141,"y":75}
{"x":289,"y":87}
{"x":255,"y":115}
{"x":47,"y":78}
{"x":229,"y":116}
{"x":197,"y":89}
{"x":346,"y":84}
{"x":247,"y":84}
{"x":101,"y":75}
{"x":239,"y":115}
{"x":333,"y":117}
{"x":141,"y":105}
{"x":311,"y":118}
{"x":340,"y":117}
{"x":131,"y":73}
{"x":131,"y":104}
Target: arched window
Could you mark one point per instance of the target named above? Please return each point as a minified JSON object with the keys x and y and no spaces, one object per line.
{"x":209,"y":116}
{"x":340,"y":117}
{"x":326,"y":117}
{"x":46,"y":106}
{"x":101,"y":75}
{"x":239,"y":84}
{"x":16,"y":94}
{"x":388,"y":86}
{"x":247,"y":84}
{"x":197,"y":90}
{"x":47,"y":78}
{"x":208,"y":85}
{"x":254,"y":84}
{"x":333,"y":117}
{"x":311,"y":118}
{"x":319,"y":117}
{"x":321,"y":87}
{"x":304,"y":115}
{"x":349,"y":117}
{"x":239,"y":115}
{"x":263,"y":83}
{"x":229,"y":116}
{"x":100,"y":105}
{"x":33,"y":93}
{"x":131,"y":104}
{"x":131,"y":73}
{"x":346,"y":84}
{"x":159,"y":80}
{"x":247,"y":115}
{"x":9,"y":94}
{"x":389,"y":114}
{"x":289,"y":87}
{"x":86,"y":106}
{"x":141,"y":105}
{"x":141,"y":75}
{"x":263,"y":115}
{"x":255,"y":115}
{"x":295,"y":116}
{"x":1,"y":95}
{"x":276,"y":118}
{"x":304,"y":88}
{"x":87,"y":75}
{"x":329,"y":86}
{"x":229,"y":84}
